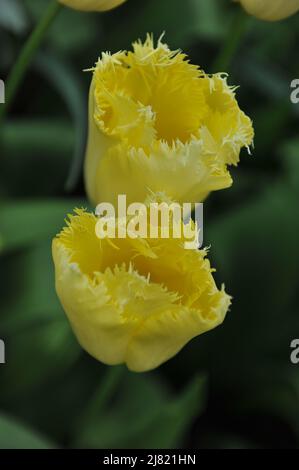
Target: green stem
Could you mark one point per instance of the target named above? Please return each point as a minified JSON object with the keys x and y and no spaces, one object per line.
{"x":231,"y":43}
{"x":27,"y":53}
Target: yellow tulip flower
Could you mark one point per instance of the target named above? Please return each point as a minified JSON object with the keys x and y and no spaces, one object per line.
{"x":92,"y":5}
{"x":271,"y":10}
{"x":159,"y":123}
{"x":136,"y":301}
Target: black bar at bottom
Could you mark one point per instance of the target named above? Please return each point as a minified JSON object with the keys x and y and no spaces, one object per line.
{"x":130,"y":458}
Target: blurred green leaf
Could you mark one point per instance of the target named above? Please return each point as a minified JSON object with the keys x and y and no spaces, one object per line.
{"x":211,"y":19}
{"x":72,"y":31}
{"x":255,"y":249}
{"x":290,"y":159}
{"x":36,"y":355}
{"x":63,"y":78}
{"x":45,"y":145}
{"x":25,"y":222}
{"x":13,"y":16}
{"x":267,"y":78}
{"x":14,"y":435}
{"x":161,"y":424}
{"x":267,"y":269}
{"x":28,"y":296}
{"x":271,"y":131}
{"x":36,"y":136}
{"x":266,"y":38}
{"x":40,"y":344}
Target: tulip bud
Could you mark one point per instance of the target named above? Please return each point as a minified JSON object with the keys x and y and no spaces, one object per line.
{"x":271,"y":10}
{"x":92,"y":5}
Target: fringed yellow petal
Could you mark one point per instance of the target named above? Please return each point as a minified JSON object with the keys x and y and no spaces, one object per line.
{"x":136,"y":301}
{"x":159,"y":123}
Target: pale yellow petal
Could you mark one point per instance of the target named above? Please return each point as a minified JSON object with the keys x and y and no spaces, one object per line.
{"x":162,"y":337}
{"x":271,"y":10}
{"x":92,"y":5}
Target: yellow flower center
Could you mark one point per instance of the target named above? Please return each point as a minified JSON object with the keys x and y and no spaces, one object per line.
{"x":162,"y":261}
{"x":150,"y":93}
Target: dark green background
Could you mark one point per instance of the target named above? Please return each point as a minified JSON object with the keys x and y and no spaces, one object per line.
{"x":234,"y":387}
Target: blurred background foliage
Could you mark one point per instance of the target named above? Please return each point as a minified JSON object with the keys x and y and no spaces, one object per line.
{"x":232,"y":388}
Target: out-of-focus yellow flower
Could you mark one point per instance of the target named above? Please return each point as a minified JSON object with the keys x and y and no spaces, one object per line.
{"x":92,"y":5}
{"x":136,"y":301}
{"x":271,"y":10}
{"x":159,"y":123}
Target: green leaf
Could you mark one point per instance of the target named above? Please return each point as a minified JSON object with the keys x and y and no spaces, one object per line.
{"x":172,"y":421}
{"x":255,"y":250}
{"x":26,"y":222}
{"x":36,"y":136}
{"x":144,"y":414}
{"x":40,"y":344}
{"x":45,"y":145}
{"x":28,"y":296}
{"x":271,"y":81}
{"x":37,"y":355}
{"x":211,"y":19}
{"x":14,"y":435}
{"x":64,"y":79}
